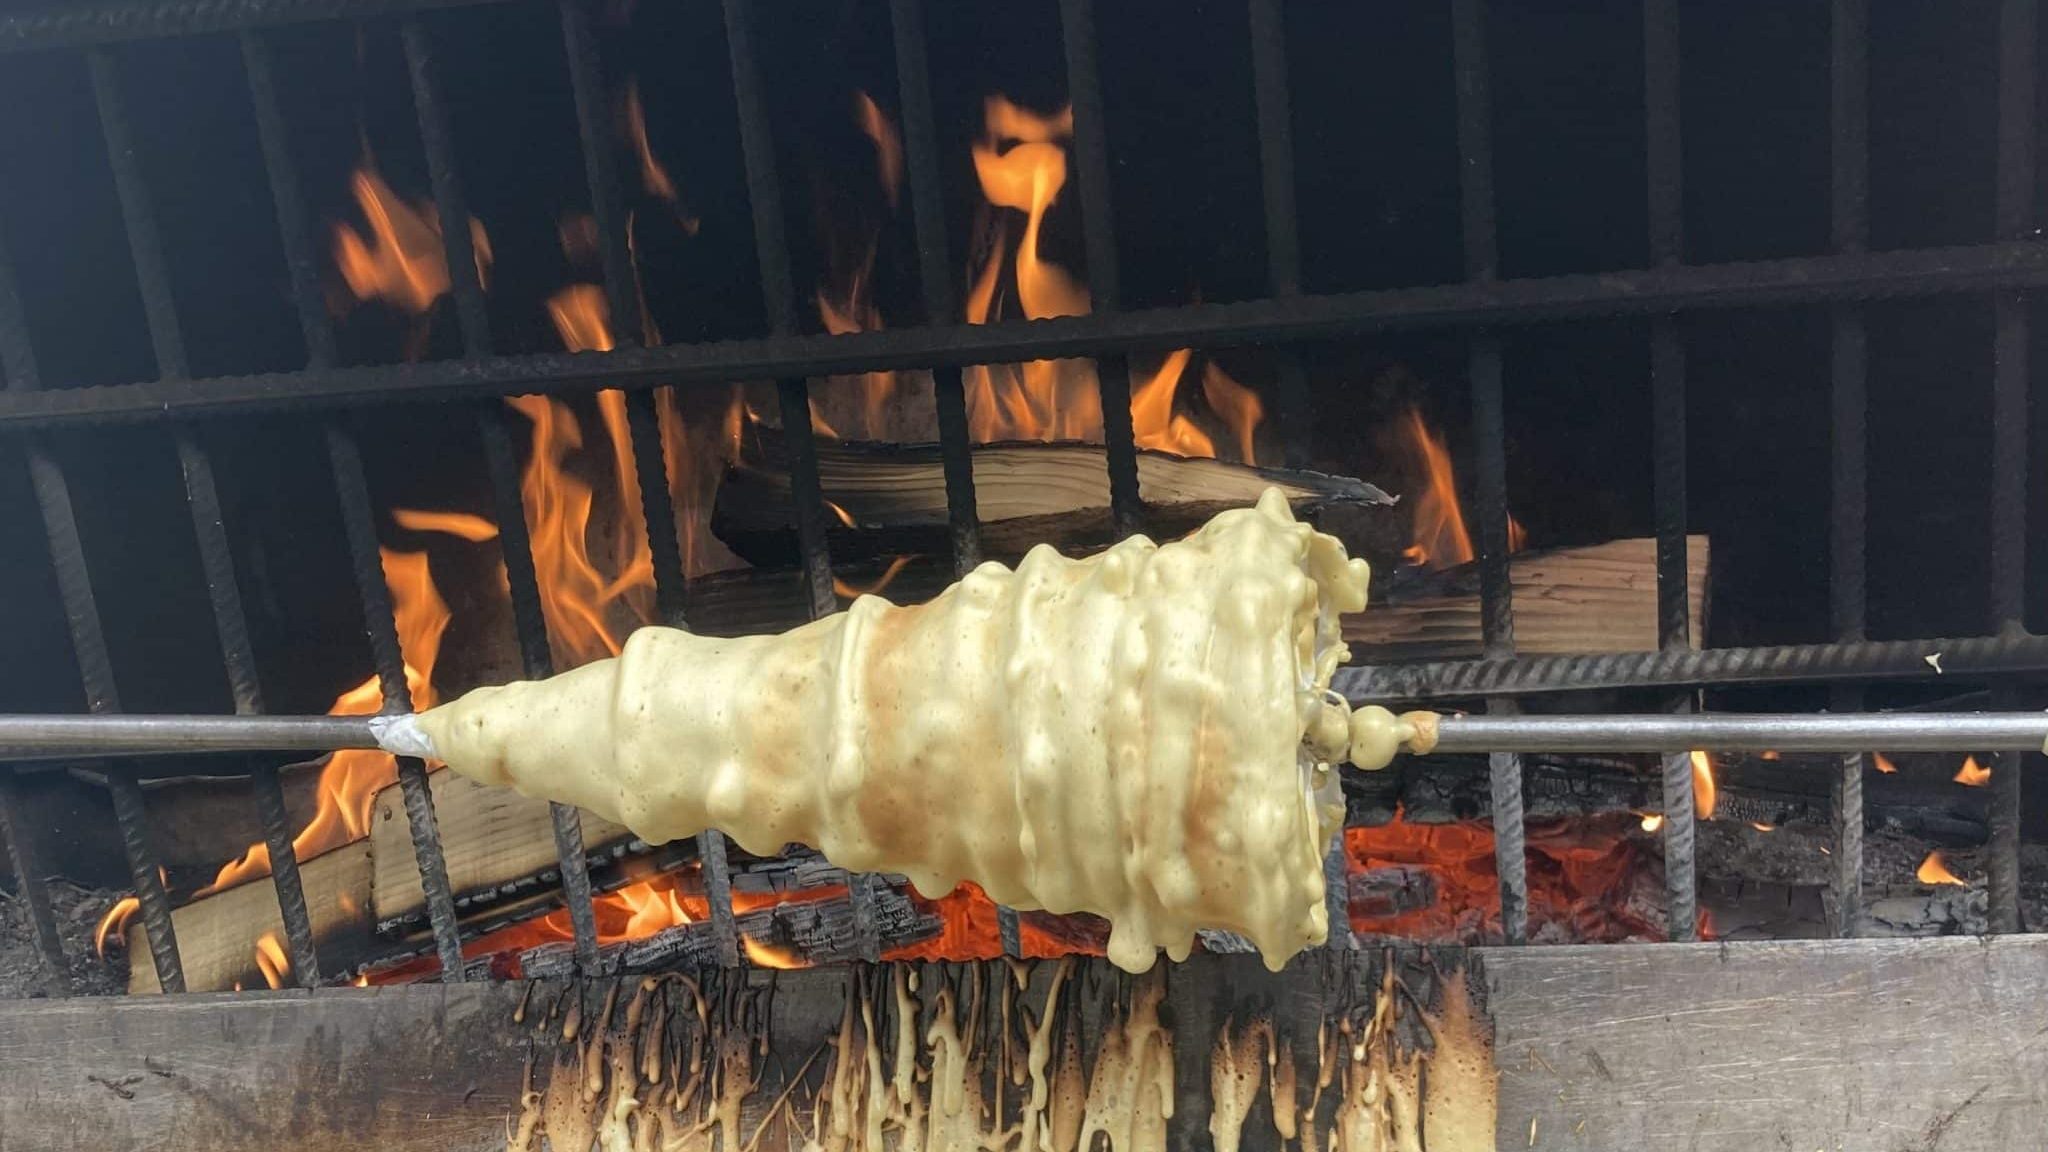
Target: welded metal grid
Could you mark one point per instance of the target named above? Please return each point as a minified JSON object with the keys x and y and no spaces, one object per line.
{"x":1483,"y":302}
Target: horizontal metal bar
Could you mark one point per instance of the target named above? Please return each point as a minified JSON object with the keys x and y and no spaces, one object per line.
{"x":1751,"y":732}
{"x":24,"y":737}
{"x":1808,"y":280}
{"x":1972,"y":657}
{"x":43,"y":737}
{"x":85,"y":24}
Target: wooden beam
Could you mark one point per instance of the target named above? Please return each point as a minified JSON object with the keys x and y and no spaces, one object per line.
{"x":1881,"y":1044}
{"x":1597,"y":598}
{"x":894,"y":496}
{"x":1927,"y":1044}
{"x":217,"y":934}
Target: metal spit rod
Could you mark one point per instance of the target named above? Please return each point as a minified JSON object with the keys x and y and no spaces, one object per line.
{"x":46,"y":737}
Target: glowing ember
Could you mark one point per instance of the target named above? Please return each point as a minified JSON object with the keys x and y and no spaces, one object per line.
{"x":1972,"y":774}
{"x":1934,"y":871}
{"x":1652,"y":821}
{"x":1580,"y":876}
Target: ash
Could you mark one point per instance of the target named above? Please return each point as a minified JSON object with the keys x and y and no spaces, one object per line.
{"x":77,"y":910}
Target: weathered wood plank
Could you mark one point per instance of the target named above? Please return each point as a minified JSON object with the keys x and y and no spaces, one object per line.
{"x":1596,"y":598}
{"x":892,"y":497}
{"x":1879,"y":1044}
{"x":446,"y":1067}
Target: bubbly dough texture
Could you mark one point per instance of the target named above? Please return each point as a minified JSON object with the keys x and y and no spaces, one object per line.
{"x":1143,"y":734}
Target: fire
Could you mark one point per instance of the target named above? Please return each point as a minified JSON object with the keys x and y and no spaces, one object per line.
{"x":1934,"y":871}
{"x":1440,"y":883}
{"x":582,"y":318}
{"x":271,"y":960}
{"x":1441,"y":539}
{"x":1883,"y":763}
{"x":1652,"y":821}
{"x":654,"y":179}
{"x":114,"y":924}
{"x":849,"y":592}
{"x":767,"y":955}
{"x":462,"y":525}
{"x":1702,"y":786}
{"x":352,"y":778}
{"x":577,"y":598}
{"x":1972,"y":774}
{"x":888,"y":144}
{"x":401,"y":261}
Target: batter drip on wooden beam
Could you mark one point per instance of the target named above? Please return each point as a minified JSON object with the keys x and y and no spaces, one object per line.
{"x":1146,"y":734}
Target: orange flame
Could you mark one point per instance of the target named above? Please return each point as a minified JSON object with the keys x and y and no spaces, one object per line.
{"x":849,"y":592}
{"x":271,"y":960}
{"x":401,"y":261}
{"x":114,"y":924}
{"x":1652,"y":821}
{"x":1934,"y":871}
{"x":1883,"y":763}
{"x":463,"y":525}
{"x":888,"y":144}
{"x":1702,"y":786}
{"x":582,"y":318}
{"x":654,"y":179}
{"x":767,"y":955}
{"x":1972,"y":774}
{"x":1440,"y":537}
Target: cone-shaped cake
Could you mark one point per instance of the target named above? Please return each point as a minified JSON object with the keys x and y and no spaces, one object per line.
{"x":1144,"y":734}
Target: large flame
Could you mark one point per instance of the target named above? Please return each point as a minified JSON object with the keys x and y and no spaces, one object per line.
{"x":1440,"y":538}
{"x":400,"y":261}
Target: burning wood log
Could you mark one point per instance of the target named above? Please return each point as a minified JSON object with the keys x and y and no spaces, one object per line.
{"x":220,"y":936}
{"x":891,"y":498}
{"x":1596,"y":598}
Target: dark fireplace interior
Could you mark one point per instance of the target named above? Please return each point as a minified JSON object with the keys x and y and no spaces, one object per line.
{"x":1379,"y":204}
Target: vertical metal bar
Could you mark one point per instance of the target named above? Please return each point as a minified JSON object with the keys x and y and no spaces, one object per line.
{"x":643,"y":422}
{"x":1091,"y":155}
{"x":2010,"y":369}
{"x":88,"y":639}
{"x":21,"y":857}
{"x":1668,"y":438}
{"x":294,"y":227}
{"x":268,"y":788}
{"x":1489,"y":433}
{"x":935,"y":273}
{"x":352,"y":488}
{"x":530,"y":626}
{"x":473,"y":318}
{"x":935,"y":279}
{"x":1283,"y":241}
{"x":202,"y":494}
{"x":353,"y":493}
{"x":771,"y":249}
{"x":1849,"y":488}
